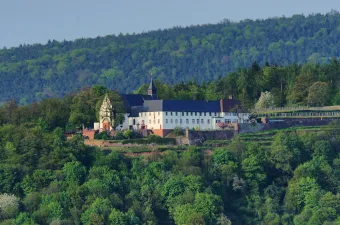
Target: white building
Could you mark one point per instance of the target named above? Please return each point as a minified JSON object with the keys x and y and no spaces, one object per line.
{"x":162,"y":116}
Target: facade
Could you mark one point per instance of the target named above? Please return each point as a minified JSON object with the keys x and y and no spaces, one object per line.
{"x":105,"y":116}
{"x":162,"y":116}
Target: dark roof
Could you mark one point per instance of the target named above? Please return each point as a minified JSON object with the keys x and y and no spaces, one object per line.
{"x":187,"y":105}
{"x":152,"y":85}
{"x":130,"y":100}
{"x":228,"y":104}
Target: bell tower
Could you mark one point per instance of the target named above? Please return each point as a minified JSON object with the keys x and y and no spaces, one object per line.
{"x":105,"y":114}
{"x":152,"y":91}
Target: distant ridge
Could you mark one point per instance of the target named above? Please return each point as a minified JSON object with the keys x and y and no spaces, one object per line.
{"x":203,"y":53}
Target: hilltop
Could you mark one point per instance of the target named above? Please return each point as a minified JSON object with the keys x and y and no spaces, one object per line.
{"x":30,"y":73}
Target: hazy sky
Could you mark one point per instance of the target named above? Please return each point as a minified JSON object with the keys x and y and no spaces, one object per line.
{"x":36,"y":21}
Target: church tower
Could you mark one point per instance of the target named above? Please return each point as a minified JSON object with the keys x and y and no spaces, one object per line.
{"x":105,"y":114}
{"x":152,"y":91}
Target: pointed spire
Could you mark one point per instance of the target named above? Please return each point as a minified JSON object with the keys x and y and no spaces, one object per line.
{"x":152,"y":91}
{"x":152,"y":85}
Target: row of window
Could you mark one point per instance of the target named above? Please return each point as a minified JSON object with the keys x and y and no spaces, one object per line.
{"x":227,"y":121}
{"x":193,"y":121}
{"x":192,"y":113}
{"x":187,"y":113}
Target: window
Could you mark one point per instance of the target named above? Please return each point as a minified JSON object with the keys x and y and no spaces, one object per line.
{"x":187,"y":121}
{"x":176,"y":113}
{"x":202,"y":121}
{"x":171,"y":121}
{"x":210,"y":114}
{"x":159,"y":113}
{"x":187,"y":113}
{"x":182,"y":113}
{"x":149,"y":121}
{"x":166,"y":120}
{"x":195,"y":113}
{"x":170,"y":113}
{"x":208,"y":121}
{"x":198,"y":121}
{"x":204,"y":114}
{"x":176,"y":121}
{"x":200,"y":114}
{"x":159,"y":121}
{"x":149,"y":113}
{"x":166,"y":113}
{"x":180,"y":121}
{"x":193,"y":121}
{"x":192,"y":113}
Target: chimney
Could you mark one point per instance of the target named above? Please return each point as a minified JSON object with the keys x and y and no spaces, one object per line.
{"x":230,"y":97}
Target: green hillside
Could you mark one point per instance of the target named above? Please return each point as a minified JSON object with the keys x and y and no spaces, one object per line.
{"x":124,"y":62}
{"x":291,"y":176}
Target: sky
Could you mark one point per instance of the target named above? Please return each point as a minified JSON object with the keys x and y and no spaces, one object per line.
{"x":37,"y":21}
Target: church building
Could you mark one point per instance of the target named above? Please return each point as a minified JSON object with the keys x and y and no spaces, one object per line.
{"x":162,"y":116}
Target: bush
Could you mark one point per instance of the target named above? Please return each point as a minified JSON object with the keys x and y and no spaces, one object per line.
{"x":101,"y":136}
{"x":128,"y":134}
{"x":119,"y":135}
{"x":178,"y":131}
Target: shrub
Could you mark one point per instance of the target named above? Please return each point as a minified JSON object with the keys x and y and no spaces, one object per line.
{"x":119,"y":135}
{"x":101,"y":136}
{"x":128,"y":134}
{"x":178,"y":131}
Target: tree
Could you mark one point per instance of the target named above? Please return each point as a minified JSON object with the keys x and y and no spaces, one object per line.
{"x":97,"y":213}
{"x":266,"y":100}
{"x":9,"y":205}
{"x":117,"y":217}
{"x":74,"y":172}
{"x":300,"y":88}
{"x":318,"y":94}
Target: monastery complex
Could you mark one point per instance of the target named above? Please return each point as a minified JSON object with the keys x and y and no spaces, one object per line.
{"x":147,"y":112}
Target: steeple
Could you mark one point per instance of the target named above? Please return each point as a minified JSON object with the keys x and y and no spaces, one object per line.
{"x":152,"y":91}
{"x":105,"y":114}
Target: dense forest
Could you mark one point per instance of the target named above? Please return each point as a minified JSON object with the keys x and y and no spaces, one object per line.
{"x":46,"y":179}
{"x":29,"y":73}
{"x":308,"y":84}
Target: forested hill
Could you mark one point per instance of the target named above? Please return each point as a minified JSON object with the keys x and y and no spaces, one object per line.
{"x":124,"y":62}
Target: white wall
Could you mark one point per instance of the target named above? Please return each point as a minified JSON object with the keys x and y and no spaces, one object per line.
{"x":170,"y":120}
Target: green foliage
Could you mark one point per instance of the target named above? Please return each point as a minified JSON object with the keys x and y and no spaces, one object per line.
{"x":97,"y":213}
{"x":266,"y":100}
{"x":119,"y":136}
{"x":128,"y":134}
{"x":74,"y":172}
{"x":318,"y":94}
{"x":34,"y":72}
{"x":178,"y":131}
{"x":101,"y":136}
{"x":291,"y":179}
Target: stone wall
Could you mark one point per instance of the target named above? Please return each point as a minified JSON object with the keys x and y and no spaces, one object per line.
{"x":199,"y":137}
{"x":284,"y":123}
{"x":89,"y":133}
